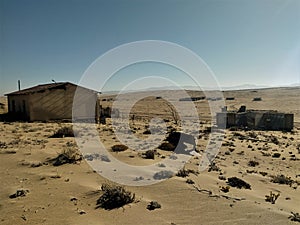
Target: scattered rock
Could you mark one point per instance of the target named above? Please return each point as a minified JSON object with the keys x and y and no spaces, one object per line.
{"x":276,"y":155}
{"x":149,"y":154}
{"x":119,"y":148}
{"x":221,"y":177}
{"x":36,"y":164}
{"x":224,"y":189}
{"x":19,"y":193}
{"x":81,"y":212}
{"x":167,"y":146}
{"x":153,"y":205}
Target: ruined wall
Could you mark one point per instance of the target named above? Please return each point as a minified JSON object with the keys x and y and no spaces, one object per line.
{"x":258,"y":120}
{"x":51,"y":104}
{"x":226,"y":119}
{"x":57,"y":104}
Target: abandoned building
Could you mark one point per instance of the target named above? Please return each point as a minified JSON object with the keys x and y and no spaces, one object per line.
{"x":46,"y":102}
{"x":255,"y":119}
{"x":192,"y":99}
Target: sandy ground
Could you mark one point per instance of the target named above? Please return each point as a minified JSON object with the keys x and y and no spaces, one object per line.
{"x":67,"y":194}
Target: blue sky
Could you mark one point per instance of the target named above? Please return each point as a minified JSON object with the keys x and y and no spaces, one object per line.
{"x":242,"y":41}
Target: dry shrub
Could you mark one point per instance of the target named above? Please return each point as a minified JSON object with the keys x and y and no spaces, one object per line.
{"x":224,"y":189}
{"x":295,"y":217}
{"x":185,"y":172}
{"x":263,"y":173}
{"x":3,"y":144}
{"x":62,"y":132}
{"x":119,"y":148}
{"x":150,"y":154}
{"x":238,"y":183}
{"x":274,"y":140}
{"x":281,"y":179}
{"x":114,"y":197}
{"x":69,"y":155}
{"x":19,"y":193}
{"x":207,"y":130}
{"x":147,"y":132}
{"x":153,"y":205}
{"x":213,"y":167}
{"x":190,"y":181}
{"x":276,"y":155}
{"x":182,"y":173}
{"x":272,"y":197}
{"x":167,"y":146}
{"x":253,"y":163}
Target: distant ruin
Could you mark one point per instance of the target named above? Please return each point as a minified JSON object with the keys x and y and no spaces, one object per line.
{"x":107,"y":112}
{"x":255,"y":119}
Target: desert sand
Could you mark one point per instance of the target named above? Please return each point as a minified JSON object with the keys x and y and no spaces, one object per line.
{"x":67,"y":194}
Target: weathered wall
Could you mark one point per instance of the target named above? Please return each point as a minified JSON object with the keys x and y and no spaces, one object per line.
{"x":257,"y":120}
{"x":226,"y":119}
{"x":53,"y":104}
{"x":56,"y":104}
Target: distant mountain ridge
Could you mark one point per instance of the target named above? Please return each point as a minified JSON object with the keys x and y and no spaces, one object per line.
{"x":224,"y":88}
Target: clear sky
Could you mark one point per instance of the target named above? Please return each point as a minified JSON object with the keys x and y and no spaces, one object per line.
{"x":242,"y":41}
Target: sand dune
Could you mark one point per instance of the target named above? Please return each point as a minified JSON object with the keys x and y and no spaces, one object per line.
{"x":67,"y":194}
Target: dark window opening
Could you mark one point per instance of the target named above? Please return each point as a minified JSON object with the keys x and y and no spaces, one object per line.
{"x":24,"y":106}
{"x":13,"y":106}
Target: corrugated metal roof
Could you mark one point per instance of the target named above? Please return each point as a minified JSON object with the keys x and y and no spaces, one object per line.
{"x":43,"y":87}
